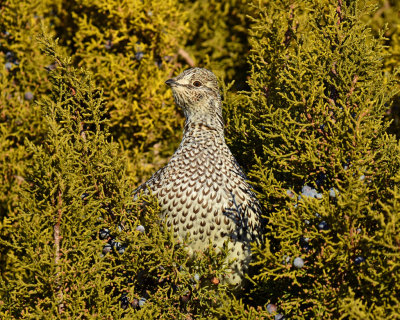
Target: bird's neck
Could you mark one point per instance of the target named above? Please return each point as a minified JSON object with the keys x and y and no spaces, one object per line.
{"x":212,"y":121}
{"x":202,"y":130}
{"x":205,"y":117}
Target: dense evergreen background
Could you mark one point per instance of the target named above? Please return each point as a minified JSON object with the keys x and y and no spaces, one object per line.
{"x":311,"y":101}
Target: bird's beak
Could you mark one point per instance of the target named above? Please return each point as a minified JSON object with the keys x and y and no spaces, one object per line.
{"x":171,"y":82}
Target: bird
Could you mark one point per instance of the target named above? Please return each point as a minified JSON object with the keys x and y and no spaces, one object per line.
{"x":202,"y":191}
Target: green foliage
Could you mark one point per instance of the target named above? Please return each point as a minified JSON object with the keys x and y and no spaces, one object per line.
{"x":387,"y":17}
{"x":74,"y":175}
{"x":22,"y":80}
{"x":221,"y":42}
{"x":312,"y":131}
{"x":314,"y":119}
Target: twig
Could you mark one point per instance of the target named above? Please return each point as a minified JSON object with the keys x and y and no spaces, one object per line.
{"x":339,"y":11}
{"x":186,"y":57}
{"x":381,"y":10}
{"x":57,"y":238}
{"x":353,"y":86}
{"x":82,"y":130}
{"x":290,"y":29}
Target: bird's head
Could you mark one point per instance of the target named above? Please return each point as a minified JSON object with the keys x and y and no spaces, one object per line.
{"x":196,"y":91}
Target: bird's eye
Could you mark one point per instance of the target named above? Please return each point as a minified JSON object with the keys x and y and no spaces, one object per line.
{"x":197,"y":84}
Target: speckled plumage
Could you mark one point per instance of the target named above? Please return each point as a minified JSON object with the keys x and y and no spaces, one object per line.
{"x":202,"y":190}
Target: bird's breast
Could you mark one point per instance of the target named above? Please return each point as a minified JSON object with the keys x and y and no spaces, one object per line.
{"x":202,"y":196}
